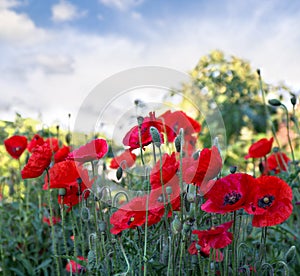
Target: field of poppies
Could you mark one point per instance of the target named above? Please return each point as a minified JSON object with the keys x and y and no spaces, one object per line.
{"x":163,"y":204}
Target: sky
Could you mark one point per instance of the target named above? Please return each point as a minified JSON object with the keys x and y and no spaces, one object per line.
{"x":53,"y":53}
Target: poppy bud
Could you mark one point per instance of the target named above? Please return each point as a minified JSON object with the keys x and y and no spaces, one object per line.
{"x":140,"y":120}
{"x":190,"y":197}
{"x":258,"y":72}
{"x":91,"y":260}
{"x":119,"y":173}
{"x":290,"y":254}
{"x":196,"y":155}
{"x":233,"y":169}
{"x":169,"y":190}
{"x":274,"y":102}
{"x":155,"y":136}
{"x":177,"y":143}
{"x":198,"y":247}
{"x":62,"y":191}
{"x":176,"y":226}
{"x":102,"y":226}
{"x":294,"y":100}
{"x":275,"y":149}
{"x":68,"y":138}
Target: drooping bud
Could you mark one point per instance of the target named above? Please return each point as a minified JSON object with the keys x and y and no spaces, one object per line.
{"x":119,"y":173}
{"x":233,"y":169}
{"x":294,"y":100}
{"x":177,"y":143}
{"x":274,"y":102}
{"x":290,"y":254}
{"x":155,"y":136}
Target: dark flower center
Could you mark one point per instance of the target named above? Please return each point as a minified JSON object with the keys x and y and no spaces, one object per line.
{"x":265,"y":201}
{"x":232,"y":198}
{"x":130,"y":220}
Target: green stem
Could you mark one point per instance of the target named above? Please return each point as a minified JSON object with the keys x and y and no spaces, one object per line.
{"x":52,"y":226}
{"x":146,"y":229}
{"x":63,"y":225}
{"x":234,"y":242}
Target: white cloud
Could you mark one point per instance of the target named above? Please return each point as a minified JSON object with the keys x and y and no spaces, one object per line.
{"x":66,"y":11}
{"x":6,"y":4}
{"x":122,"y":5}
{"x":18,"y":28}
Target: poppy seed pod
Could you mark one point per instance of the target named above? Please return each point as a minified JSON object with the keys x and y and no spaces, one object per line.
{"x":155,"y":136}
{"x":274,"y":102}
{"x":233,"y":169}
{"x":62,"y":191}
{"x":294,"y":100}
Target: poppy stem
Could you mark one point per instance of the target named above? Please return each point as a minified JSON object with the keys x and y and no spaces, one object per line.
{"x":52,"y":225}
{"x":61,"y":207}
{"x":234,"y":242}
{"x":146,"y":225}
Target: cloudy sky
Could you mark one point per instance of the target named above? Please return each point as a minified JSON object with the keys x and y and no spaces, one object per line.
{"x":54,"y":52}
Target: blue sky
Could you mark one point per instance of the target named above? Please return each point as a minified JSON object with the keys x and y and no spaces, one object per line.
{"x":54,"y":52}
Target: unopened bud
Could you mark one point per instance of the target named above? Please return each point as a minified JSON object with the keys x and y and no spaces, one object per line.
{"x":274,"y":102}
{"x":102,"y":226}
{"x":155,"y":136}
{"x":62,"y":191}
{"x":140,"y":120}
{"x":169,"y":190}
{"x":119,"y":173}
{"x":177,"y":143}
{"x":290,"y":254}
{"x":233,"y":169}
{"x":294,"y":100}
{"x":176,"y":225}
{"x":68,"y":138}
{"x":85,"y":214}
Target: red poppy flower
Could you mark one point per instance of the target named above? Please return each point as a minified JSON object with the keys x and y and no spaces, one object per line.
{"x":66,"y":172}
{"x":206,"y":167}
{"x":228,"y":194}
{"x":156,"y":201}
{"x":15,"y":145}
{"x":271,"y":201}
{"x":260,"y":148}
{"x":93,"y":150}
{"x":62,"y":154}
{"x":189,"y":146}
{"x":74,"y":267}
{"x":38,"y":162}
{"x":177,"y":120}
{"x":53,"y":143}
{"x":169,"y":168}
{"x":131,"y":139}
{"x":277,"y":162}
{"x":129,"y":216}
{"x":36,"y":140}
{"x":54,"y":220}
{"x":205,"y":251}
{"x":216,"y":236}
{"x":126,"y":159}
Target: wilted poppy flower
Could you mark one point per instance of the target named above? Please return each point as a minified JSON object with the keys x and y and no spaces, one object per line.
{"x":36,"y":140}
{"x":228,"y":194}
{"x":177,"y":120}
{"x":125,"y":159}
{"x":132,"y":140}
{"x":205,"y":251}
{"x":53,"y":143}
{"x":15,"y":145}
{"x":129,"y":215}
{"x":216,"y":236}
{"x":260,"y":148}
{"x":75,"y":267}
{"x":61,"y":154}
{"x":54,"y":220}
{"x":206,"y":167}
{"x":169,"y":168}
{"x":38,"y":162}
{"x":93,"y":150}
{"x":277,"y":162}
{"x":271,"y":201}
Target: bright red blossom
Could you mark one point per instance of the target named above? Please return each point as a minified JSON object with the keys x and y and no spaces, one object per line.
{"x":75,"y":267}
{"x":62,"y":154}
{"x":132,"y":140}
{"x":206,"y":167}
{"x":36,"y":140}
{"x":260,"y":148}
{"x":169,"y":168}
{"x":15,"y":145}
{"x":38,"y":162}
{"x":205,"y":251}
{"x":271,"y":201}
{"x":217,"y":236}
{"x":277,"y":162}
{"x":93,"y":150}
{"x":53,"y":143}
{"x":177,"y":120}
{"x":54,"y":220}
{"x":227,"y":194}
{"x":125,"y":159}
